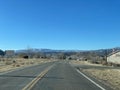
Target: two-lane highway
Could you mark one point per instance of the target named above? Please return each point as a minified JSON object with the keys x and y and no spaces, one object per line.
{"x":59,"y":76}
{"x":64,"y":77}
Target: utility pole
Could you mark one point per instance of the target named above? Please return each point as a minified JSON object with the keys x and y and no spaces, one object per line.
{"x":28,"y":51}
{"x":106,"y":54}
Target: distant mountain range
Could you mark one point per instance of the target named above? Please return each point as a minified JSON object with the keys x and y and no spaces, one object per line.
{"x":100,"y":51}
{"x":45,"y":50}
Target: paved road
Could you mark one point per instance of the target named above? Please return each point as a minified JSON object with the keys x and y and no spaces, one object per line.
{"x":62,"y":76}
{"x":18,"y":79}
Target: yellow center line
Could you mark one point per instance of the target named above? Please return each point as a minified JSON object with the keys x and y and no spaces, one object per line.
{"x":30,"y":85}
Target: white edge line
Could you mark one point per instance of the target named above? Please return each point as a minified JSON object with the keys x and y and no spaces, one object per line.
{"x":91,"y":80}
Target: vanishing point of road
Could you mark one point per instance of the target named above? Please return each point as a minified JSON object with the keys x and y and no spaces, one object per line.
{"x":58,"y":75}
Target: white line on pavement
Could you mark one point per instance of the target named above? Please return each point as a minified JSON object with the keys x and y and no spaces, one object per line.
{"x":91,"y":80}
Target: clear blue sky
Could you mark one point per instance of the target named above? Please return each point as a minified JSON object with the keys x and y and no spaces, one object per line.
{"x":59,"y":24}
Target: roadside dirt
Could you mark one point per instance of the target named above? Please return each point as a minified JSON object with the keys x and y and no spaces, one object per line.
{"x":110,"y":77}
{"x":20,"y":63}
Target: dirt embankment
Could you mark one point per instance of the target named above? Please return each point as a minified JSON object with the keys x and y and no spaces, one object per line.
{"x":110,"y":77}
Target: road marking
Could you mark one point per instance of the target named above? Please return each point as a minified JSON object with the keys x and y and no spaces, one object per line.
{"x":91,"y":80}
{"x":34,"y":81}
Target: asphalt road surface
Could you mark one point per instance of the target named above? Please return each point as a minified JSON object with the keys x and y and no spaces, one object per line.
{"x":18,"y":79}
{"x":65,"y":77}
{"x":62,"y":76}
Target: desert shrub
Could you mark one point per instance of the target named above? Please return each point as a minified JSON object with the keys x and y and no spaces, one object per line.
{"x":8,"y":62}
{"x":18,"y":65}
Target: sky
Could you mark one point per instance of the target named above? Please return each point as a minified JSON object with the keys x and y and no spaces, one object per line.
{"x":59,"y":24}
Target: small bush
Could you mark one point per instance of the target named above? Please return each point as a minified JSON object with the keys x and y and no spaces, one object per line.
{"x":18,"y":65}
{"x":8,"y":63}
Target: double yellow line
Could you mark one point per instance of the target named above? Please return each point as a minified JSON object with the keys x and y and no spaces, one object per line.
{"x":34,"y":81}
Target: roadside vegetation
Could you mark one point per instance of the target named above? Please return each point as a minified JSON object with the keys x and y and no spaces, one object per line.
{"x":108,"y":75}
{"x":10,"y":60}
{"x":15,"y":63}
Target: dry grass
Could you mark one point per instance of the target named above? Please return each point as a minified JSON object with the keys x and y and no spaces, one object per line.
{"x":14,"y":63}
{"x":109,"y":77}
{"x":75,"y":62}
